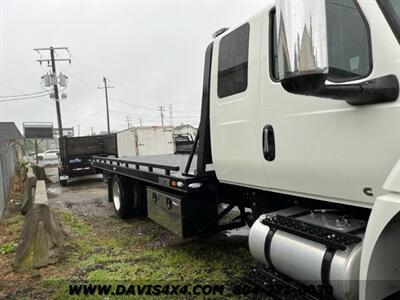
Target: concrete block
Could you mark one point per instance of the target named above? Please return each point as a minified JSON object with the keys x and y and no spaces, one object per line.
{"x":28,"y":193}
{"x":42,"y":240}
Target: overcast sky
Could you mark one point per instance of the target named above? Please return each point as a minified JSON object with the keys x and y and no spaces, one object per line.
{"x":152,"y":52}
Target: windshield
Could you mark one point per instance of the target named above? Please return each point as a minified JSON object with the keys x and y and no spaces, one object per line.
{"x":391,"y":9}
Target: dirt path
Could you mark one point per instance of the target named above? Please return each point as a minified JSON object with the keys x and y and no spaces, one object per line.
{"x":102,"y":248}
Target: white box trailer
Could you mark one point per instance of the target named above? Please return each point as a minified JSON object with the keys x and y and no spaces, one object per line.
{"x":149,"y":140}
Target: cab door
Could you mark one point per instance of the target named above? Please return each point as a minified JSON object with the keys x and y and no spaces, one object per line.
{"x":327,"y":149}
{"x":234,"y":105}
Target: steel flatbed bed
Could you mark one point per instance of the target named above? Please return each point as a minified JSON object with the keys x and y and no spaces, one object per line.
{"x":166,"y":170}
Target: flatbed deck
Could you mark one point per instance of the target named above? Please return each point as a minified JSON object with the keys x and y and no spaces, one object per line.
{"x":166,"y":170}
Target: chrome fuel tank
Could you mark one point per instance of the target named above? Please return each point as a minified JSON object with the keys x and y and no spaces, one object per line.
{"x":306,"y":260}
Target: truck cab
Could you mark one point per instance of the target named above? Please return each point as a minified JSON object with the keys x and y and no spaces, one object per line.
{"x":299,"y":130}
{"x":325,"y":149}
{"x":304,"y":104}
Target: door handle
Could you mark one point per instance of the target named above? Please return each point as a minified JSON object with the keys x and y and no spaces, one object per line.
{"x":269,"y":143}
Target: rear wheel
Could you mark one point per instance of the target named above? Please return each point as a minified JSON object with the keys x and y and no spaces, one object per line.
{"x":127,"y":197}
{"x":139,"y":199}
{"x":119,"y":197}
{"x":63,"y":182}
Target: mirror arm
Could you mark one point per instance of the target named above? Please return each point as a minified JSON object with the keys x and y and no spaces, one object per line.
{"x":379,"y":90}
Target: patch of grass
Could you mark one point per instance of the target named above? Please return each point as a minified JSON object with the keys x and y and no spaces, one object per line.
{"x":76,"y":225}
{"x":12,"y":225}
{"x":58,"y":286}
{"x":139,"y":253}
{"x":8,"y":247}
{"x":14,"y":222}
{"x":199,"y":262}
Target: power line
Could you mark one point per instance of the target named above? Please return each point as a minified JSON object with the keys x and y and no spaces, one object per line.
{"x":23,"y":95}
{"x":123,"y":114}
{"x":150,"y":108}
{"x":12,"y":88}
{"x":123,"y":117}
{"x":25,"y":98}
{"x":83,"y":66}
{"x":134,"y":105}
{"x":84,"y":76}
{"x":92,"y":77}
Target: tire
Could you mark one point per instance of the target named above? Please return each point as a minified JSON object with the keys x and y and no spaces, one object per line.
{"x":40,"y":157}
{"x":63,"y":182}
{"x":139,"y":199}
{"x":127,"y":197}
{"x":119,"y":195}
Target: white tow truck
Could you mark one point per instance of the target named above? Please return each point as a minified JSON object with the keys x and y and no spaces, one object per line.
{"x":300,"y":123}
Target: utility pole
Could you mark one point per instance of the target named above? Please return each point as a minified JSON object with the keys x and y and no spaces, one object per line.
{"x":162,"y":114}
{"x":106,"y":87}
{"x":170,"y":115}
{"x":127,"y":119}
{"x":91,"y":128}
{"x":53,"y":61}
{"x":36,"y":152}
{"x":79,"y":130}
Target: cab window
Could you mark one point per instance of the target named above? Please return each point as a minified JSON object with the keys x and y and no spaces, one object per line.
{"x":349,"y":46}
{"x":233,"y":62}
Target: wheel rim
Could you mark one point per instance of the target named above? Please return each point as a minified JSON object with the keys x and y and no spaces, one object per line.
{"x":116,"y":196}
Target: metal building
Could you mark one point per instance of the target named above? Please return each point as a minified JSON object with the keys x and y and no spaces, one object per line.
{"x":10,"y":152}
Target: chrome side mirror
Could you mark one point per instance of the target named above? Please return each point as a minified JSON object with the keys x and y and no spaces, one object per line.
{"x":302,"y":41}
{"x":302,"y":38}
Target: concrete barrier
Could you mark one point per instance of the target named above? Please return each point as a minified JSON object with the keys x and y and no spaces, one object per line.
{"x":42,"y":240}
{"x":40,"y":173}
{"x":29,"y":185}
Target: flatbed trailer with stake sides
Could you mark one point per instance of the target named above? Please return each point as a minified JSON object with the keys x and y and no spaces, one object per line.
{"x":299,"y":129}
{"x":76,"y":154}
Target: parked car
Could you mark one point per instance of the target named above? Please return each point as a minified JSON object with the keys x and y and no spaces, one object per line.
{"x":49,"y":154}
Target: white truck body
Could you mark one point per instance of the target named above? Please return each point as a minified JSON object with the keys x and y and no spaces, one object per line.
{"x":149,"y":140}
{"x":325,"y":149}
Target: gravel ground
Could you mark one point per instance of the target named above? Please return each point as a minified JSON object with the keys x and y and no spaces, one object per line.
{"x":84,"y":197}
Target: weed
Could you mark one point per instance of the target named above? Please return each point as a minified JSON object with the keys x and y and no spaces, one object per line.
{"x":8,"y":247}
